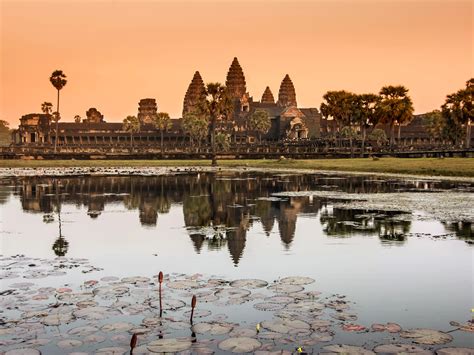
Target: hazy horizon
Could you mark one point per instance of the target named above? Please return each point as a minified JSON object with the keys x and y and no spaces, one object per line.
{"x":115,"y":53}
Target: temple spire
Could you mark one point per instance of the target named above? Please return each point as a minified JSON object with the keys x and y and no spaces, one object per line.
{"x":235,"y":81}
{"x":195,"y":90}
{"x":267,"y":97}
{"x":287,"y":94}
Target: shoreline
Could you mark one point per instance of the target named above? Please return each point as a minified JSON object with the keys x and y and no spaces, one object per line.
{"x":49,"y":171}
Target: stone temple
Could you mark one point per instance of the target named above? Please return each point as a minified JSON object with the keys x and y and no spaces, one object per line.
{"x":288,"y":121}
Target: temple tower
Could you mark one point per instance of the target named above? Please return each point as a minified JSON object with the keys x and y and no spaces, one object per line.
{"x":147,"y":108}
{"x":287,"y":94}
{"x":267,"y":97}
{"x":235,"y":81}
{"x":194,"y":93}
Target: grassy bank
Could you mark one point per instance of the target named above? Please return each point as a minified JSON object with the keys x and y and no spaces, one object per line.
{"x":417,"y":166}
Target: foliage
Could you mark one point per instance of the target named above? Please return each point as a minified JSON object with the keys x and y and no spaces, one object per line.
{"x":162,"y":121}
{"x":347,"y":132}
{"x":339,"y":106}
{"x":47,"y":108}
{"x":458,"y":110}
{"x":77,"y":119}
{"x":223,"y":141}
{"x":260,"y":122}
{"x":58,"y":79}
{"x":5,"y":138}
{"x":196,"y":126}
{"x":216,"y":106}
{"x":131,"y":124}
{"x":379,"y":136}
{"x":395,"y":107}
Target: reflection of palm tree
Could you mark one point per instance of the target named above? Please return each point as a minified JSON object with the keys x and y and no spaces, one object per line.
{"x":60,"y":246}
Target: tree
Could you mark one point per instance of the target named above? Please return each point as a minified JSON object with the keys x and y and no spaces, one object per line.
{"x":131,"y":124}
{"x":223,"y":141}
{"x":340,"y":106}
{"x":260,"y":122}
{"x":77,"y":119}
{"x":379,"y":136}
{"x":47,"y":107}
{"x":366,"y":114}
{"x":5,"y":137}
{"x":435,"y":124}
{"x":459,"y":109}
{"x":395,"y":108}
{"x":162,"y":122}
{"x":196,"y":126}
{"x":216,"y":105}
{"x":58,"y":79}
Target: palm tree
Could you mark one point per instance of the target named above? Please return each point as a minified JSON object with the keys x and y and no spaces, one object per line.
{"x":260,"y":122}
{"x":47,"y":108}
{"x":216,"y":105}
{"x":131,"y":124}
{"x":395,"y":107}
{"x":340,"y":106}
{"x":162,"y":123}
{"x":77,"y":119}
{"x":459,"y":108}
{"x":435,"y":124}
{"x":58,"y":79}
{"x":196,"y":126}
{"x":366,"y":114}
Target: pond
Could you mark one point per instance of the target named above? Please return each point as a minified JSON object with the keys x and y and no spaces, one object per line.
{"x":361,"y":250}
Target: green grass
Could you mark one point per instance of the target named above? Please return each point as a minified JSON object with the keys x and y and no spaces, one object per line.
{"x":417,"y":166}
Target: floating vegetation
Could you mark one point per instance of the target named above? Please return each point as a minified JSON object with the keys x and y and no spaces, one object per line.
{"x":103,"y":315}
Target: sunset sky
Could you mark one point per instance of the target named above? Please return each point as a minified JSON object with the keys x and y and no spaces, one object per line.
{"x":117,"y":52}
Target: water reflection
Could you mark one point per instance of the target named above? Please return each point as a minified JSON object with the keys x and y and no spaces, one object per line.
{"x":219,"y":209}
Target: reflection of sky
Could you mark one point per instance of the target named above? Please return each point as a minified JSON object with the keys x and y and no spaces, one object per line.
{"x":423,"y":282}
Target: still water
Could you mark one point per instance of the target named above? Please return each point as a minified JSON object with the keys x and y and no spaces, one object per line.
{"x":393,"y":266}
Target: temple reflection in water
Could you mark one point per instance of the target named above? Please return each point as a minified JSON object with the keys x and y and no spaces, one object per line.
{"x":220,"y":208}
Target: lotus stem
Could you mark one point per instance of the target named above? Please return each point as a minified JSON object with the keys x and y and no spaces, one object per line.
{"x":193,"y":305}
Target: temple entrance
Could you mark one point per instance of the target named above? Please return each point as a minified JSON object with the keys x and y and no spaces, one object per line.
{"x":297,"y":129}
{"x":33,"y":137}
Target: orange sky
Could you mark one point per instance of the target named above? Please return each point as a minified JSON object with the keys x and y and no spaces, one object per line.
{"x":117,"y":52}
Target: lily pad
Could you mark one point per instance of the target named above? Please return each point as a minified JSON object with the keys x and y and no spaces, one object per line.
{"x":212,"y":328}
{"x":240,"y":345}
{"x":401,"y":349}
{"x":455,"y":351}
{"x":232,"y":292}
{"x":305,"y":307}
{"x":297,"y":280}
{"x":69,"y":343}
{"x":169,"y":345}
{"x":284,"y":325}
{"x":168,"y":304}
{"x":183,"y":284}
{"x":116,"y":350}
{"x":389,"y":327}
{"x":285,"y":288}
{"x":82,"y":331}
{"x":249,"y":283}
{"x":268,"y":306}
{"x":427,"y":336}
{"x":23,"y":351}
{"x":347,"y":349}
{"x":117,"y":327}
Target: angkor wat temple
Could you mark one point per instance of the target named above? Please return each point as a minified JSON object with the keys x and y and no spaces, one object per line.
{"x":289,"y":123}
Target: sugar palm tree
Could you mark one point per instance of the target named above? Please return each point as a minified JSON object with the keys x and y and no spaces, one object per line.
{"x":459,"y":108}
{"x":131,"y":124}
{"x":162,"y":122}
{"x":340,"y":106}
{"x":47,"y":108}
{"x":77,"y":119}
{"x":366,"y":114}
{"x":260,"y":122}
{"x":58,"y":80}
{"x":395,"y":108}
{"x":216,"y":105}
